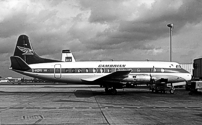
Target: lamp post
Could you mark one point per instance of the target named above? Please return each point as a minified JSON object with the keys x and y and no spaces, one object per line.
{"x":170,"y":27}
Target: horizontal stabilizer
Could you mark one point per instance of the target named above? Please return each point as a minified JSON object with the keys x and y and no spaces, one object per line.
{"x":18,"y":64}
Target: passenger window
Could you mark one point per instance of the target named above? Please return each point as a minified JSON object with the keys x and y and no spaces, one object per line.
{"x":66,"y":70}
{"x":108,"y":70}
{"x":101,"y":70}
{"x":94,"y":70}
{"x":154,"y":69}
{"x":79,"y":70}
{"x":87,"y":70}
{"x":73,"y":70}
{"x":57,"y":70}
{"x":162,"y":70}
{"x":138,"y":70}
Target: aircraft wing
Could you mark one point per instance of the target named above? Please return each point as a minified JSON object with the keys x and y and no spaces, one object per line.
{"x":118,"y":75}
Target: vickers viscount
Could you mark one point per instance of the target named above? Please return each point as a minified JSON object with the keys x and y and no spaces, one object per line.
{"x":111,"y":75}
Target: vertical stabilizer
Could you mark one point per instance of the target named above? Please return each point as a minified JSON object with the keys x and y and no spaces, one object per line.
{"x":25,"y":51}
{"x":23,"y":48}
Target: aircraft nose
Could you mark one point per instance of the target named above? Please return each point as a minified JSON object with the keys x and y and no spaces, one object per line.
{"x":188,"y":77}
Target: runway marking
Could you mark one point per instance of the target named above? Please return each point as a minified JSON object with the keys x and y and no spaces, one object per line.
{"x":65,"y":108}
{"x":82,"y":107}
{"x":96,"y":107}
{"x":32,"y":107}
{"x":103,"y":107}
{"x":48,"y":107}
{"x":3,"y":107}
{"x":194,"y":107}
{"x":16,"y":107}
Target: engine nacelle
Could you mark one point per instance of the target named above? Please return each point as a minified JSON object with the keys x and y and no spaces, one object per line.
{"x":137,"y":78}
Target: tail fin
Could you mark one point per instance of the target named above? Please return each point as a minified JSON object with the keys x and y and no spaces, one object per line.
{"x":25,"y":51}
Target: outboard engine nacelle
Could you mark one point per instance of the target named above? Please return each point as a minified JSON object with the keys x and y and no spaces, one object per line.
{"x":137,"y":78}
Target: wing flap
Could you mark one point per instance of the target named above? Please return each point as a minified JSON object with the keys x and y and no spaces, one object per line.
{"x":91,"y":79}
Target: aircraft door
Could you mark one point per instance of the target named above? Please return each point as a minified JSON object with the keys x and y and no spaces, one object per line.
{"x":57,"y":71}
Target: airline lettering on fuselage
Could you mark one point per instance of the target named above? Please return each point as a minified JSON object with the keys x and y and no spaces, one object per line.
{"x":112,"y":65}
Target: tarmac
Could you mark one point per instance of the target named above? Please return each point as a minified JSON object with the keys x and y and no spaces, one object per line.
{"x":68,"y":104}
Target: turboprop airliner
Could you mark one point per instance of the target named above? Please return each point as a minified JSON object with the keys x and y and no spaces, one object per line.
{"x":111,"y":75}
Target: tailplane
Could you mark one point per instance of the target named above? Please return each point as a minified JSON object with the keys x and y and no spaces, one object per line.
{"x":18,"y":64}
{"x":25,"y":51}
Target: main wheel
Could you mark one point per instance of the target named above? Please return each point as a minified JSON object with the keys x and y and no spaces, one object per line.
{"x":113,"y":91}
{"x":172,"y":91}
{"x":107,"y":91}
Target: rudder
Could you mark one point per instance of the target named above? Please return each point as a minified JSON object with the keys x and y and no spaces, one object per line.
{"x":23,"y":47}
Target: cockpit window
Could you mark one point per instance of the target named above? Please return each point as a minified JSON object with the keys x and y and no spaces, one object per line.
{"x":178,"y":66}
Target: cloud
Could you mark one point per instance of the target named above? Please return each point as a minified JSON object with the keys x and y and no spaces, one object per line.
{"x":139,"y":22}
{"x":103,"y":29}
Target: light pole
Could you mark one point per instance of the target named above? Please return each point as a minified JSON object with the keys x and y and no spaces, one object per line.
{"x":170,"y":27}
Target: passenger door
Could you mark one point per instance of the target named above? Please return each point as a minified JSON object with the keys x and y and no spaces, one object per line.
{"x":57,"y":71}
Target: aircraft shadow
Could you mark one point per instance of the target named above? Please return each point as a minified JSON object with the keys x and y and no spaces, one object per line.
{"x":77,"y":93}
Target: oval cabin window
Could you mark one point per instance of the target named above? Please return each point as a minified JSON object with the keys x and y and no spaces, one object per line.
{"x":87,"y":70}
{"x":94,"y":70}
{"x":79,"y":70}
{"x":73,"y":70}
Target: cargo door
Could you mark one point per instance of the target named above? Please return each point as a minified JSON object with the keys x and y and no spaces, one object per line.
{"x":57,"y":71}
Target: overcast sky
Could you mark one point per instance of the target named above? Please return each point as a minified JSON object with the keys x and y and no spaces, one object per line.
{"x":102,"y":29}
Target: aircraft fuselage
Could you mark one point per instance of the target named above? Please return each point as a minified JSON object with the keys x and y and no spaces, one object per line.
{"x":77,"y":72}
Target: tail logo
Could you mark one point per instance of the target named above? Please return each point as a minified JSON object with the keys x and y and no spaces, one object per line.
{"x":26,"y":51}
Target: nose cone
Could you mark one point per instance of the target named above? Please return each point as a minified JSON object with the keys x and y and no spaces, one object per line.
{"x":188,"y":77}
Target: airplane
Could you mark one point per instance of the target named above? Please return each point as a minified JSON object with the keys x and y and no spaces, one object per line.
{"x":111,"y":75}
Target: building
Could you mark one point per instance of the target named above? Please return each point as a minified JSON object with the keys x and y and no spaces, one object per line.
{"x":188,"y":66}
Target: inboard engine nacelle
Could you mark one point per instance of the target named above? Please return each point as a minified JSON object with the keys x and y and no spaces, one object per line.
{"x":137,"y":78}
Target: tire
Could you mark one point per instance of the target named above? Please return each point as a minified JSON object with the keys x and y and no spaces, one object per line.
{"x":107,"y":91}
{"x":113,"y":91}
{"x":171,"y":91}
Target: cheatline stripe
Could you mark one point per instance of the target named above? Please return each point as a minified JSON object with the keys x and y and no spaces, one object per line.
{"x":106,"y":70}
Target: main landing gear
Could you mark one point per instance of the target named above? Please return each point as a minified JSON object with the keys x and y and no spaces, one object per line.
{"x":111,"y":90}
